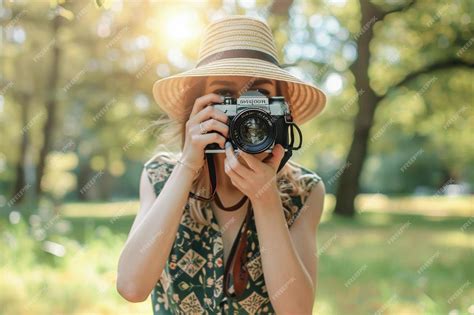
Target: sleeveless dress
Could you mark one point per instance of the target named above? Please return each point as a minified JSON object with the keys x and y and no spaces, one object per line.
{"x":192,"y":280}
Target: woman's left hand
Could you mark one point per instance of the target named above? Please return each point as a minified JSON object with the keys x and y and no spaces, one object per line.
{"x":259,"y":178}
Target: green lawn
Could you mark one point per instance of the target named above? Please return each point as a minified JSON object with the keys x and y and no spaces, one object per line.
{"x":395,"y":264}
{"x":382,"y":262}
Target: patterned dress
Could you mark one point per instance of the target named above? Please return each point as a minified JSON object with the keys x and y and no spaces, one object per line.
{"x":192,"y":281}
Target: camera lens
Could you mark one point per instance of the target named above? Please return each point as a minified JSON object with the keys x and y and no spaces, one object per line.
{"x":252,"y":131}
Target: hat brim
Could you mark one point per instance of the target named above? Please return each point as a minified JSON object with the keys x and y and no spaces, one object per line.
{"x":305,"y":100}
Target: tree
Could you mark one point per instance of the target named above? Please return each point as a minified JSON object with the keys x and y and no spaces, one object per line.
{"x":369,"y":100}
{"x":51,"y":102}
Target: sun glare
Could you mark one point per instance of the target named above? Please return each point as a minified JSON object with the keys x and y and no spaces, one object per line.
{"x":181,"y":26}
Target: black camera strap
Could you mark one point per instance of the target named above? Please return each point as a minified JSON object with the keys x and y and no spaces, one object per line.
{"x":238,"y":254}
{"x":292,"y":136}
{"x":213,"y":178}
{"x":285,"y":158}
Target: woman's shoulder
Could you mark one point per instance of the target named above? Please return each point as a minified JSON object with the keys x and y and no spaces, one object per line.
{"x":159,"y":166}
{"x":304,"y":176}
{"x":298,"y":185}
{"x":161,"y":158}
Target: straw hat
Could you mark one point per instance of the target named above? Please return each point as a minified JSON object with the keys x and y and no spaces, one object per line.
{"x":237,"y":46}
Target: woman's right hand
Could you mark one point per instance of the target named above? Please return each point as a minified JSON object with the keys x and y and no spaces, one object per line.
{"x":212,"y":120}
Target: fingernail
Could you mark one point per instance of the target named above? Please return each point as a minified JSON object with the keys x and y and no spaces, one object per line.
{"x":228,"y":145}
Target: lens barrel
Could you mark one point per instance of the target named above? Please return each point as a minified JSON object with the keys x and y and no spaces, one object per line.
{"x":252,"y":131}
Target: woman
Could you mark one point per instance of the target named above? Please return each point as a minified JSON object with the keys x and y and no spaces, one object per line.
{"x":252,"y":247}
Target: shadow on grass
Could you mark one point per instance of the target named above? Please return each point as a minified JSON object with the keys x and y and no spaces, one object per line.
{"x":383,"y":220}
{"x":84,"y":226}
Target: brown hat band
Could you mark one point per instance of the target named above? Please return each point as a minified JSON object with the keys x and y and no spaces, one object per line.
{"x":238,"y":53}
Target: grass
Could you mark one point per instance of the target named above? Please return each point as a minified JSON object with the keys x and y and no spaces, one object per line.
{"x":390,"y":262}
{"x":398,"y":264}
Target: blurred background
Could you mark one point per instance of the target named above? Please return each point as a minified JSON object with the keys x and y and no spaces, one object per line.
{"x":394,"y":145}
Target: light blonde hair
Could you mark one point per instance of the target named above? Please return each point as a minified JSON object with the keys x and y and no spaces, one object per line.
{"x":173,"y":131}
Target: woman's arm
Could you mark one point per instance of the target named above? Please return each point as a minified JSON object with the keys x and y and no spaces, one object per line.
{"x":154,"y":230}
{"x":152,"y":234}
{"x":289,"y":257}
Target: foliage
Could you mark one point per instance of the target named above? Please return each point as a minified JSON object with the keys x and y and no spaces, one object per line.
{"x":112,"y":51}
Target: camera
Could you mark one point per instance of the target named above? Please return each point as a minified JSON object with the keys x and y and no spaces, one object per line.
{"x":256,"y":123}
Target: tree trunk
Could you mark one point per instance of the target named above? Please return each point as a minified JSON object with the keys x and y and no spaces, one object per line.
{"x":85,"y":173}
{"x":51,"y":104}
{"x":349,"y":181}
{"x":280,"y":7}
{"x":20,"y":182}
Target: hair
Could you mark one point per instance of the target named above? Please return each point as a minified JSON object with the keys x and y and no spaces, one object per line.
{"x":171,"y":131}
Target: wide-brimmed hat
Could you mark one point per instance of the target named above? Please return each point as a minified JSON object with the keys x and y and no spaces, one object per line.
{"x":237,"y":46}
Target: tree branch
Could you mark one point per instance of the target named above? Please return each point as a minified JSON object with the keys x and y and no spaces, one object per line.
{"x":445,"y":64}
{"x":280,"y":7}
{"x":383,"y":14}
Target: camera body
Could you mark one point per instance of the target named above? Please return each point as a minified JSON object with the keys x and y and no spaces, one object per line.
{"x":256,"y":123}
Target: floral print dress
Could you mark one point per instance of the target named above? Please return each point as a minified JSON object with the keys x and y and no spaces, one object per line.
{"x":192,"y":280}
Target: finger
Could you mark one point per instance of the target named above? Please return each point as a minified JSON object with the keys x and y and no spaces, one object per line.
{"x":234,"y":162}
{"x":233,"y":175}
{"x":205,"y":100}
{"x":204,"y":139}
{"x":210,"y":112}
{"x":276,"y":156}
{"x":212,"y":125}
{"x":251,"y":160}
